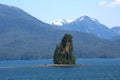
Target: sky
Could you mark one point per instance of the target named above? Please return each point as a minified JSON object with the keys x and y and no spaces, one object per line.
{"x":105,"y":11}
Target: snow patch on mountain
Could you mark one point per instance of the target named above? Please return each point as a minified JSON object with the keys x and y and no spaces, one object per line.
{"x":60,"y":22}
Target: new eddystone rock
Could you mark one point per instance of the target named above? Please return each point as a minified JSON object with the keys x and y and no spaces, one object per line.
{"x":63,"y":52}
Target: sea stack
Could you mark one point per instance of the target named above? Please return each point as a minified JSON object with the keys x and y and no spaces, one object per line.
{"x":63,"y":52}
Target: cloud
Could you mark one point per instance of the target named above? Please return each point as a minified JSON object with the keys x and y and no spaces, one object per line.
{"x":115,"y":3}
{"x":102,"y":3}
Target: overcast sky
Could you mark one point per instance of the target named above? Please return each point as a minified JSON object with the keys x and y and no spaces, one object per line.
{"x":105,"y":11}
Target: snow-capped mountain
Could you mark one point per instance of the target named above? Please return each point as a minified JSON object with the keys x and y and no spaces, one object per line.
{"x":88,"y":25}
{"x":60,"y":22}
{"x":22,"y":36}
{"x":86,"y":19}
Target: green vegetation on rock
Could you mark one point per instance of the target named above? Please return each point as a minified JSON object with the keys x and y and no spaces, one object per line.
{"x":63,"y":52}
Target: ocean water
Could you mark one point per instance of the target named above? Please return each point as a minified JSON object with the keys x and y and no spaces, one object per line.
{"x":95,"y":69}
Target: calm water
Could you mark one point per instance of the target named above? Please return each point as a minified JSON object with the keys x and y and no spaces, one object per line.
{"x":96,"y":69}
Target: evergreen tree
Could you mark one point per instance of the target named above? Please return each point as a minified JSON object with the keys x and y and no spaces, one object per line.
{"x":63,"y":52}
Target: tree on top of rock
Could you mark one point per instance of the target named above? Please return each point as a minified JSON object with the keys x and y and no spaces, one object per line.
{"x":63,"y":52}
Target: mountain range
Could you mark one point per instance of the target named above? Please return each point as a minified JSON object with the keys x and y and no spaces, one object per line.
{"x":23,"y":36}
{"x":88,"y":25}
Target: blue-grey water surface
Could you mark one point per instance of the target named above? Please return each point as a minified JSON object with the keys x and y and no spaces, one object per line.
{"x":96,"y":69}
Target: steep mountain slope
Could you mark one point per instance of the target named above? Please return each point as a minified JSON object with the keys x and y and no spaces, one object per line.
{"x":22,"y":34}
{"x":25,"y":37}
{"x":88,"y":25}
